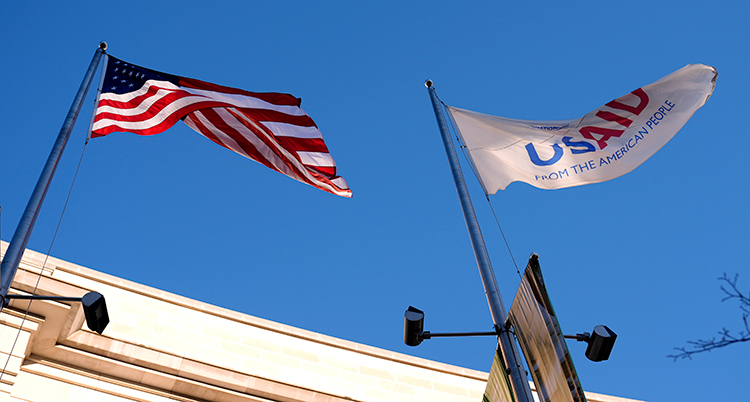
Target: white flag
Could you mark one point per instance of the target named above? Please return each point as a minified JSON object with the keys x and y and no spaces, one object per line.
{"x":600,"y":146}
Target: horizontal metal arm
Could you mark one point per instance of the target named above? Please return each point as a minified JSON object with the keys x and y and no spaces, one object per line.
{"x":428,"y":334}
{"x":37,"y":297}
{"x":584,"y":337}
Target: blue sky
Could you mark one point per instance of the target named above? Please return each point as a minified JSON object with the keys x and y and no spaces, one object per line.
{"x":641,"y":253}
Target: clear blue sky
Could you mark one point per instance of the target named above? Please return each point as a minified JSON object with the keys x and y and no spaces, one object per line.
{"x":641,"y":253}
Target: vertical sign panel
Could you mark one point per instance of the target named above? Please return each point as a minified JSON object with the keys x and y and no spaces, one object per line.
{"x":498,"y":385}
{"x":542,"y":341}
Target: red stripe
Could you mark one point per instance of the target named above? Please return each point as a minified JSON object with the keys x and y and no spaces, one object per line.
{"x":203,"y":129}
{"x":321,"y":174}
{"x":220,"y":124}
{"x":270,"y":97}
{"x":159,"y":128}
{"x":272,"y":115}
{"x":153,"y":110}
{"x":164,"y":125}
{"x":136,"y":101}
{"x":257,"y":114}
{"x":318,"y":176}
{"x":269,"y":143}
{"x":302,"y":144}
{"x":327,"y":171}
{"x":324,"y":179}
{"x":240,"y":139}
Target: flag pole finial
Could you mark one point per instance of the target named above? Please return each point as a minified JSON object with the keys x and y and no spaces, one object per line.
{"x":103,"y":45}
{"x":428,"y":83}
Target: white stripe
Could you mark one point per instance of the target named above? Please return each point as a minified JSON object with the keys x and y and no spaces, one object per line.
{"x":127,"y":97}
{"x":316,"y":158}
{"x":261,"y":146}
{"x":246,"y":101}
{"x":138,"y":109}
{"x":153,"y":121}
{"x":229,"y":99}
{"x":292,"y":130}
{"x":291,"y":158}
{"x":340,"y":182}
{"x":226,"y":140}
{"x":263,"y":149}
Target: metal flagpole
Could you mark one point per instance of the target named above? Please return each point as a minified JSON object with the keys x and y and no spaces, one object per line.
{"x":25,"y":226}
{"x":98,"y":96}
{"x":519,"y":384}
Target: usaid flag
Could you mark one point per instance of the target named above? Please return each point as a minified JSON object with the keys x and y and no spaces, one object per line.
{"x":600,"y":146}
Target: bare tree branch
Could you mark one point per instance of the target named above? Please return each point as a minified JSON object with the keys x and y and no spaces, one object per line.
{"x":726,"y":338}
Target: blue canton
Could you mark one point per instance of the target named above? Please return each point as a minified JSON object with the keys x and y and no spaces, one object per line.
{"x":124,"y":77}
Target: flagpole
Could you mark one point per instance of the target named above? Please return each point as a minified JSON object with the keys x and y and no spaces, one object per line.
{"x":519,"y":385}
{"x":26,"y":225}
{"x":98,"y":96}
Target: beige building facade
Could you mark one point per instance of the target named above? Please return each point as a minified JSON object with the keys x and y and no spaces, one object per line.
{"x":162,"y":347}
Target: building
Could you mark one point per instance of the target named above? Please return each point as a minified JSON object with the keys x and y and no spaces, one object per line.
{"x":163,"y":347}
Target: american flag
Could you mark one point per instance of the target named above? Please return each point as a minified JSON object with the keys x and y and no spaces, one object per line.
{"x":269,"y":128}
